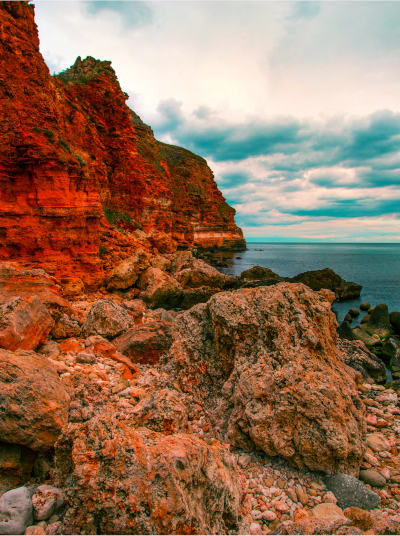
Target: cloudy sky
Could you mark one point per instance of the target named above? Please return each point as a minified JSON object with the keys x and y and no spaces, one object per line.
{"x":295,"y":105}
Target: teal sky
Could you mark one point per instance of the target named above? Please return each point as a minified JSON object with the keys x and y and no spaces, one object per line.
{"x":295,"y":105}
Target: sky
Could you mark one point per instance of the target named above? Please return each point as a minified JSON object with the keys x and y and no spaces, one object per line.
{"x":295,"y":105}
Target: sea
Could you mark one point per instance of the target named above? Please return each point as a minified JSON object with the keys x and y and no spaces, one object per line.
{"x":374,"y":266}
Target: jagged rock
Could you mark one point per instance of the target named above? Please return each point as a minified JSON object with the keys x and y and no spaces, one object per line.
{"x":345,"y":331}
{"x":144,"y":482}
{"x":107,"y":319}
{"x":15,"y":511}
{"x":327,"y":278}
{"x":46,"y":500}
{"x":362,"y":333}
{"x":128,"y":271}
{"x":349,"y":491}
{"x":145,"y":343}
{"x":24,"y":323}
{"x":33,"y":402}
{"x":357,"y":356}
{"x":65,"y":327}
{"x":160,"y":289}
{"x":266,"y":367}
{"x":391,"y":349}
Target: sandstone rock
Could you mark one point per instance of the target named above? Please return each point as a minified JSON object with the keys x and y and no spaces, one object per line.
{"x":357,"y":356}
{"x":145,"y":343}
{"x":72,"y":287}
{"x":160,"y":289}
{"x":35,"y":529}
{"x":377,"y":442}
{"x":274,"y":377}
{"x":362,"y":335}
{"x":201,"y":274}
{"x":46,"y":500}
{"x":327,"y":511}
{"x":107,"y":319}
{"x":24,"y":323}
{"x":163,"y":242}
{"x":15,"y":511}
{"x":128,"y":271}
{"x":144,"y":482}
{"x":373,"y":522}
{"x":65,"y":327}
{"x":327,"y":278}
{"x":33,"y":402}
{"x":349,"y":491}
{"x":372,"y":477}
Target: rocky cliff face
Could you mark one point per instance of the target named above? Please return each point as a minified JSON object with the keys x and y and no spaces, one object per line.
{"x":81,"y":174}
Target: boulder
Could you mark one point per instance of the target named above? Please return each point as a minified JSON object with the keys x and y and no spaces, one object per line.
{"x":327,"y":278}
{"x":357,"y":356}
{"x":125,"y":274}
{"x":144,"y":482}
{"x":349,"y":491}
{"x":46,"y":500}
{"x":15,"y":511}
{"x":365,"y":306}
{"x":24,"y":323}
{"x":107,"y":319}
{"x":160,"y":289}
{"x":394,"y":318}
{"x":363,"y":334}
{"x":379,"y":321}
{"x":33,"y":402}
{"x":145,"y":343}
{"x":261,"y":275}
{"x":66,"y":327}
{"x":354,"y":312}
{"x":265,"y":364}
{"x":373,"y":478}
{"x":345,"y":331}
{"x":391,"y":349}
{"x":163,"y":242}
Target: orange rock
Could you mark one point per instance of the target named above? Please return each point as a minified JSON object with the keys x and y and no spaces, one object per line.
{"x":71,"y":345}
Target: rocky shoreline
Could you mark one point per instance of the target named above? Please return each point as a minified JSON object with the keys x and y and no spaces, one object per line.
{"x":176,"y":399}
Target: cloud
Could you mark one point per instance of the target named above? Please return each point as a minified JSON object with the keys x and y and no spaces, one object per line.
{"x":132,"y":13}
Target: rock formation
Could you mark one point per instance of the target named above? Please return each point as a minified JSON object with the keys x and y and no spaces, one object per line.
{"x":81,"y":175}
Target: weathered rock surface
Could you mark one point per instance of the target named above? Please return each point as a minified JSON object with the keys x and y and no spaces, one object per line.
{"x":128,"y":271}
{"x":24,"y":323}
{"x":15,"y":511}
{"x":357,"y":356}
{"x":327,"y":278}
{"x":107,"y":319}
{"x":46,"y":500}
{"x":145,"y":343}
{"x":33,"y":402}
{"x":81,"y":172}
{"x":349,"y":491}
{"x":160,"y":289}
{"x":259,"y":276}
{"x":266,"y":359}
{"x":144,"y":482}
{"x":16,"y":464}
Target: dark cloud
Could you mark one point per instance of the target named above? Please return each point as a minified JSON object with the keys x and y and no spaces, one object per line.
{"x":230,"y":180}
{"x":133,"y":13}
{"x":352,"y":208}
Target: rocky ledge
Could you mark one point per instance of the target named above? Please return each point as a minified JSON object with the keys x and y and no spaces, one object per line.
{"x":243,"y":413}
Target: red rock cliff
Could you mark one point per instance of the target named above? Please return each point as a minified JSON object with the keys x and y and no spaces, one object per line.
{"x":80,"y":172}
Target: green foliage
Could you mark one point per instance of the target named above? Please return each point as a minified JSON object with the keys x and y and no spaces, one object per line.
{"x":118,"y":218}
{"x":64,"y":145}
{"x":102,"y":252}
{"x":80,"y":160}
{"x":47,"y":132}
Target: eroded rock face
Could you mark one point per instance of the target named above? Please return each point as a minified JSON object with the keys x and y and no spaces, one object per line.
{"x":267,"y":359}
{"x":33,"y":402}
{"x":160,"y":289}
{"x":357,"y":356}
{"x":24,"y":323}
{"x":128,"y":271}
{"x":145,"y":343}
{"x":144,"y":482}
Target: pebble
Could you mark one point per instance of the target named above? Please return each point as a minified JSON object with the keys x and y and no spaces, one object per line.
{"x":255,"y":528}
{"x":282,"y":507}
{"x":268,"y":515}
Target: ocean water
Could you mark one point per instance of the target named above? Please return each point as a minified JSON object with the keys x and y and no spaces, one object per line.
{"x":374,"y":266}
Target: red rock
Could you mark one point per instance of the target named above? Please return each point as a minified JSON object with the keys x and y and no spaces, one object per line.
{"x":145,"y":343}
{"x":274,"y":373}
{"x":119,"y":480}
{"x":78,"y":167}
{"x":33,"y":402}
{"x":24,"y":323}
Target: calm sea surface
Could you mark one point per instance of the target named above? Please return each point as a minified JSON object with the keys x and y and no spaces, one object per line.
{"x":374,"y":266}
